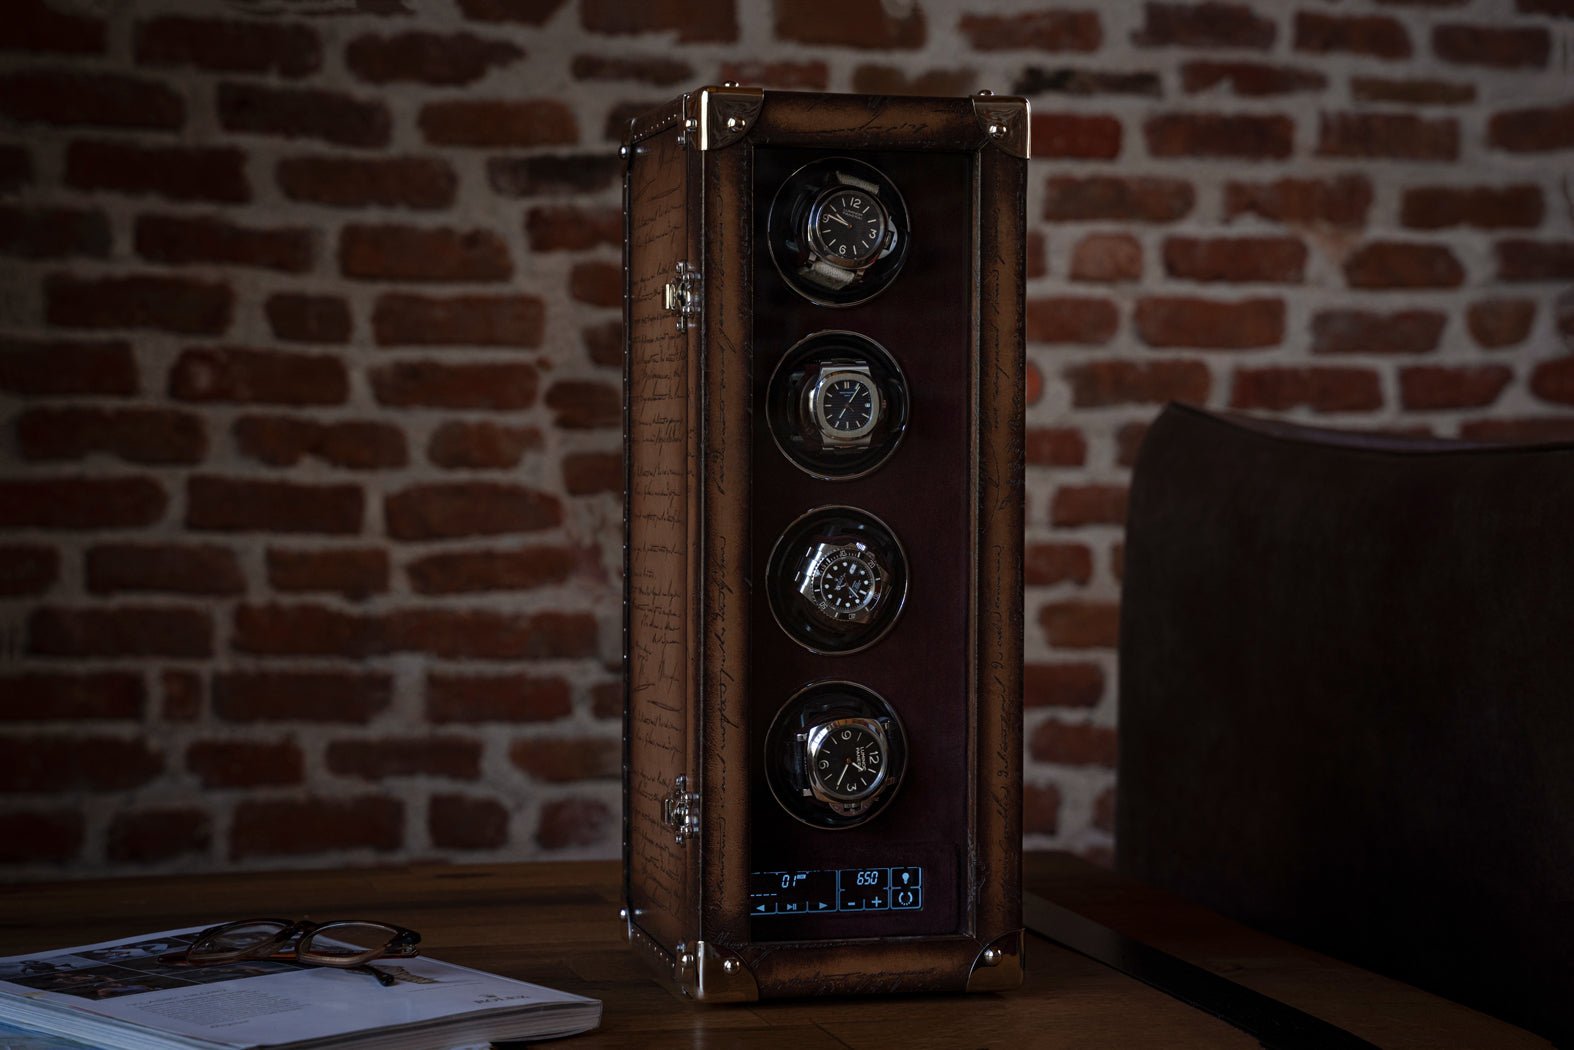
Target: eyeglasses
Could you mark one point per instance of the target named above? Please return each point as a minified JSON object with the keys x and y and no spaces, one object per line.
{"x":348,"y":944}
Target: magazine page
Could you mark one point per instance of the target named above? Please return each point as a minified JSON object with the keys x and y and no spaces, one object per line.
{"x":250,"y":1003}
{"x":14,"y":1038}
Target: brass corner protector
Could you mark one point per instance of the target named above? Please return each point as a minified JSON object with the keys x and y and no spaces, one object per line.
{"x":723,"y":114}
{"x":999,"y":966}
{"x":1007,"y":121}
{"x":719,"y":976}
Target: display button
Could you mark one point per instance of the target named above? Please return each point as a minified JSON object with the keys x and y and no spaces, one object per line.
{"x":906,"y":897}
{"x":905,"y":877}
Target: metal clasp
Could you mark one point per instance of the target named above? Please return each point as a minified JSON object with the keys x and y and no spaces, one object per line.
{"x":681,"y":295}
{"x":680,"y":810}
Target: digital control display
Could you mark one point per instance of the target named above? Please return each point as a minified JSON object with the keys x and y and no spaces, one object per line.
{"x":829,"y":890}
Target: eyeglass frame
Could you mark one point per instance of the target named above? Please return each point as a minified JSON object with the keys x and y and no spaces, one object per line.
{"x":402,"y":945}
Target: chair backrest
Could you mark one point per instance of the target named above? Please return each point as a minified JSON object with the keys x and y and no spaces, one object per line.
{"x":1347,"y":699}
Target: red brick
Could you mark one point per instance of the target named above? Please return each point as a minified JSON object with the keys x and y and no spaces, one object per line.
{"x":1554,"y":380}
{"x":1412,"y":92}
{"x":1244,"y":135}
{"x":606,"y":700}
{"x":1320,"y":389}
{"x":287,"y":49}
{"x":136,"y":435}
{"x":468,"y":572}
{"x":583,"y":404}
{"x":866,"y":25}
{"x":170,"y":304}
{"x":411,"y":253}
{"x":460,"y":445}
{"x":691,"y":20}
{"x":458,"y":822}
{"x":354,"y":573}
{"x":167,"y":568}
{"x":587,"y":473}
{"x":39,"y":697}
{"x":1104,"y":811}
{"x":879,"y":79}
{"x":1375,"y":35}
{"x":363,"y":182}
{"x":294,"y":827}
{"x":569,"y":822}
{"x":604,"y":343}
{"x":553,"y":174}
{"x":1249,"y":79}
{"x":810,"y":75}
{"x":1399,"y":136}
{"x":1484,"y":207}
{"x":1520,"y":431}
{"x":1497,"y":323}
{"x":56,"y":368}
{"x":1069,"y":319}
{"x":1107,"y":257}
{"x":266,"y":377}
{"x":81,"y":503}
{"x":1046,"y":564}
{"x":243,"y":504}
{"x":311,"y":113}
{"x":568,"y":228}
{"x":504,"y":387}
{"x":300,"y":318}
{"x":651,"y":69}
{"x":1434,"y":386}
{"x":246,"y":763}
{"x":16,"y":168}
{"x":1034,"y":30}
{"x":182,"y":173}
{"x":340,"y":697}
{"x":447,"y":510}
{"x":1037,"y":255}
{"x":154,"y":835}
{"x":183,"y":240}
{"x":1280,"y":260}
{"x":1035,"y":80}
{"x":1533,"y":130}
{"x":1074,"y":744}
{"x":75,"y":763}
{"x":1500,"y":47}
{"x":34,"y":25}
{"x":1040,"y":809}
{"x":1075,"y":505}
{"x":183,"y":693}
{"x":1032,"y":384}
{"x":1370,"y":332}
{"x":1128,"y":445}
{"x":559,"y":761}
{"x":1094,"y":137}
{"x":451,"y":758}
{"x":1062,"y":685}
{"x":453,"y":634}
{"x":284,"y":441}
{"x":1204,"y":25}
{"x":526,"y":12}
{"x":402,"y":319}
{"x":495,"y":698}
{"x":121,"y":631}
{"x":1393,"y":264}
{"x":1521,"y":260}
{"x":1246,"y":324}
{"x":1080,"y":624}
{"x":1554,"y":8}
{"x":1341,"y":202}
{"x":597,"y":283}
{"x":1143,"y":199}
{"x":1054,"y":447}
{"x":40,"y":836}
{"x":442,"y":59}
{"x":1098,"y":384}
{"x":27,"y":569}
{"x":53,"y":233}
{"x":109,"y":100}
{"x":514,"y":124}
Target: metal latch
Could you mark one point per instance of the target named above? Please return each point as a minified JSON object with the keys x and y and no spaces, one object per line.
{"x":680,"y":810}
{"x":681,"y":295}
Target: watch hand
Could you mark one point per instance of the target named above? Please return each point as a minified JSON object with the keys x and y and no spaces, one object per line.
{"x":843,"y":776}
{"x":838,"y":218}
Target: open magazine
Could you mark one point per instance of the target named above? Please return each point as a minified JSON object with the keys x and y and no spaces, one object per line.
{"x":120,"y":994}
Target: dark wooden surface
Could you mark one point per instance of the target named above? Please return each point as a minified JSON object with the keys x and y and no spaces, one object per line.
{"x":556,"y":924}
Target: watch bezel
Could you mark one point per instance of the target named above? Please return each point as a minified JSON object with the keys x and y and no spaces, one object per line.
{"x":824,"y":554}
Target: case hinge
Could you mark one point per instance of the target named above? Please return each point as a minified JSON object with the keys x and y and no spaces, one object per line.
{"x":681,"y":295}
{"x":680,"y":811}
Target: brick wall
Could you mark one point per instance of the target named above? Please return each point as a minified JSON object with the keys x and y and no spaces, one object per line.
{"x":309,"y":354}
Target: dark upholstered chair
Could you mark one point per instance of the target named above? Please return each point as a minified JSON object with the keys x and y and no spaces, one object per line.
{"x":1347,"y":699}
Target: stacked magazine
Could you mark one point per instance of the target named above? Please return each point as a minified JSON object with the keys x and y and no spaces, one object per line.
{"x":121,"y":994}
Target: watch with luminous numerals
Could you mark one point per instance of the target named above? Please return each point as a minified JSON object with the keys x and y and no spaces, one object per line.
{"x":845,"y":760}
{"x":847,"y":230}
{"x":843,"y":582}
{"x":844,"y":405}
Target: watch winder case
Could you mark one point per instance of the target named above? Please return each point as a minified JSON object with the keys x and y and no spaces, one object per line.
{"x":823,"y":542}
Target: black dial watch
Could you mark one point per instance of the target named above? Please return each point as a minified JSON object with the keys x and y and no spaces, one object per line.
{"x":845,"y":763}
{"x":844,"y":404}
{"x":838,"y":231}
{"x":835,"y":754}
{"x":843,"y":582}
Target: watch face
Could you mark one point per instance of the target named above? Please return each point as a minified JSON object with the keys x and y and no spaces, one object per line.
{"x":845,"y":584}
{"x":847,"y":760}
{"x":847,"y":226}
{"x":846,"y":404}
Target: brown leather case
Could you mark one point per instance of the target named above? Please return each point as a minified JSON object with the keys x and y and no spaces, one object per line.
{"x":707,"y":318}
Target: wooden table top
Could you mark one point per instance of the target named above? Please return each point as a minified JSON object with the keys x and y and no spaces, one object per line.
{"x":556,"y":924}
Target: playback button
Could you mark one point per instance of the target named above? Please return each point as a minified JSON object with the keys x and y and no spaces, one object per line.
{"x":909,"y":898}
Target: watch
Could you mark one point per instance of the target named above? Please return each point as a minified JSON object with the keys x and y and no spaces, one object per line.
{"x":845,"y":763}
{"x":847,"y":230}
{"x":843,"y":405}
{"x":843,"y":583}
